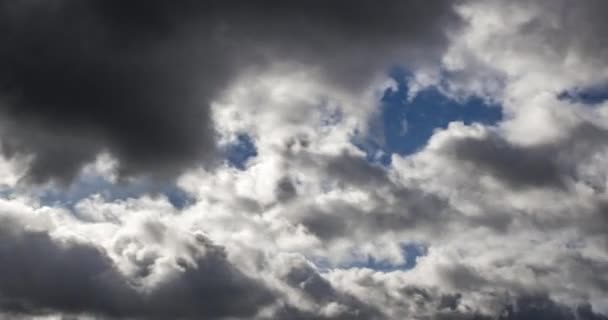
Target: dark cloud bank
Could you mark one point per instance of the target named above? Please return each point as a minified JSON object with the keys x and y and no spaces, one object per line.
{"x":40,"y":275}
{"x":136,"y":78}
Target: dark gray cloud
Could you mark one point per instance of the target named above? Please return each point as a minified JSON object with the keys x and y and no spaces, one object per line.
{"x":413,"y":210}
{"x":579,"y":30}
{"x":541,"y":307}
{"x":317,"y":288}
{"x":409,"y":301}
{"x":136,"y":79}
{"x":40,"y":275}
{"x":543,"y":165}
{"x":285,"y":190}
{"x":523,"y":304}
{"x":515,"y":165}
{"x":394,"y":207}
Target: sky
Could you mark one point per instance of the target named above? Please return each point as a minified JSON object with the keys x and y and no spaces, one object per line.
{"x":312,"y":160}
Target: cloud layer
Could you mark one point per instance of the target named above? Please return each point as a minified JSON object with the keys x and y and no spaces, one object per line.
{"x":120,"y":197}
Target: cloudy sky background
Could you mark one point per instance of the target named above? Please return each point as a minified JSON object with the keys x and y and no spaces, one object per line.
{"x":304,"y":159}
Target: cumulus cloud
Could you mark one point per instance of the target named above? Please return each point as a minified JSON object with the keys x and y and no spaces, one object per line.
{"x":41,"y":275}
{"x":511,"y":216}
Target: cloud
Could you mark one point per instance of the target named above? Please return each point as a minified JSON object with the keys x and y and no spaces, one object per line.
{"x":543,"y":165}
{"x":511,"y":213}
{"x":429,"y":302}
{"x":42,"y":275}
{"x":39,"y":273}
{"x":137,"y":80}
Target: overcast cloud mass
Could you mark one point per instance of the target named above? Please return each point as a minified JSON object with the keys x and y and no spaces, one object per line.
{"x":237,"y":160}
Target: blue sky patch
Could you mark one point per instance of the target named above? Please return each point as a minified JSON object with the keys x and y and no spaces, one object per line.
{"x":240,"y":151}
{"x":410,"y":252}
{"x":591,"y":95}
{"x":404,"y":125}
{"x":88,"y":185}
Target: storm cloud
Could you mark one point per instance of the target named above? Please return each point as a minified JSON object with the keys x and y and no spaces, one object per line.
{"x":136,"y":80}
{"x":42,"y":275}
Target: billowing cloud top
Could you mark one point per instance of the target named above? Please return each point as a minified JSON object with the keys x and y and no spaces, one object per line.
{"x":303,"y":159}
